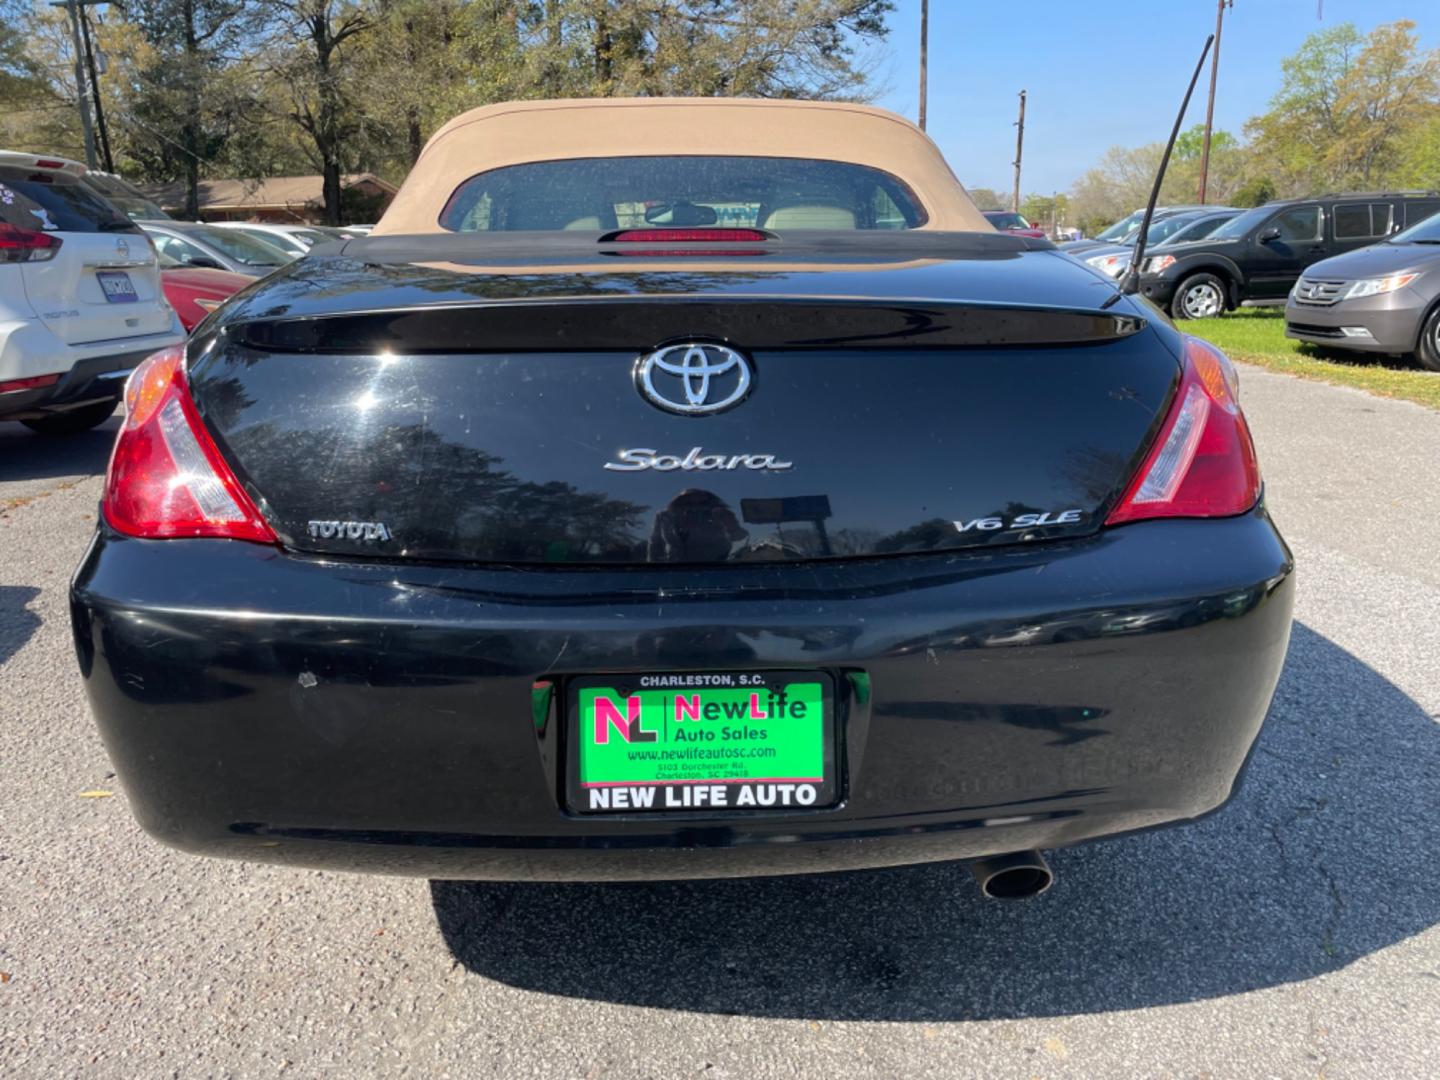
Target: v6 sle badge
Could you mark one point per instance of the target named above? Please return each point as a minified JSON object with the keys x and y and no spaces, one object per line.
{"x":1035,"y":520}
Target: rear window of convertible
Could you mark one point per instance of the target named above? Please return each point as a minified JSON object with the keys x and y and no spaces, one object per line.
{"x":598,"y":194}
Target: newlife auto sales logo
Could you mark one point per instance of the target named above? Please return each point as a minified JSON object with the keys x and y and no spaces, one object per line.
{"x":628,"y":727}
{"x":739,"y":742}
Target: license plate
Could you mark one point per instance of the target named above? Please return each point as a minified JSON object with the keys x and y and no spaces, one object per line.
{"x":117,"y":286}
{"x":706,"y":742}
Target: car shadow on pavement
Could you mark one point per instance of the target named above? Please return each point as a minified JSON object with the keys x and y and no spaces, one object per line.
{"x":1325,"y":856}
{"x":17,"y":622}
{"x":25,"y":455}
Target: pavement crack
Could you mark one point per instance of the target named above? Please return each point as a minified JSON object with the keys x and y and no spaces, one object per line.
{"x":1337,"y":902}
{"x":1337,"y":908}
{"x":1274,"y":829}
{"x":15,"y":502}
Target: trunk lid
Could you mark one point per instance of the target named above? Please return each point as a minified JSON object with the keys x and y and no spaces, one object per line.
{"x":892,"y":406}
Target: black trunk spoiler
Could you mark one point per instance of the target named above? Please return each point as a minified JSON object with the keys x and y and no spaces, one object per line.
{"x":643,"y":323}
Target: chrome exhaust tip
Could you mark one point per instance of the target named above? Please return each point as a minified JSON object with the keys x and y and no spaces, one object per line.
{"x":1017,"y":876}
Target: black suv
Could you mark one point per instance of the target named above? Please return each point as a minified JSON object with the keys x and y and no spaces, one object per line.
{"x":1259,"y":255}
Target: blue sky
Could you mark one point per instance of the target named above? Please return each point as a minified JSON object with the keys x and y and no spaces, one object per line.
{"x":1098,"y":74}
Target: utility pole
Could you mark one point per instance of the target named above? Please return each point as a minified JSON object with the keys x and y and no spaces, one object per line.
{"x":1019,"y":146}
{"x":1220,"y":6}
{"x":924,"y":57}
{"x":95,"y":92}
{"x":72,"y":8}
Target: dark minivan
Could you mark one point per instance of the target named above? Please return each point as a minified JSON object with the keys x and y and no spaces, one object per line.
{"x":1259,"y":255}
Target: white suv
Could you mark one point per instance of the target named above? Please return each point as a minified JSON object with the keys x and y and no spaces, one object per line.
{"x":80,"y":297}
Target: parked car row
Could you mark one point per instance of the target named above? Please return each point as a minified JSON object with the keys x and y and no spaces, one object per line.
{"x":94,"y":277}
{"x":1259,"y":255}
{"x":81,"y":301}
{"x":1127,"y":229}
{"x":1355,"y":270}
{"x":1176,"y":228}
{"x":297,"y":240}
{"x":191,"y":243}
{"x":248,"y":248}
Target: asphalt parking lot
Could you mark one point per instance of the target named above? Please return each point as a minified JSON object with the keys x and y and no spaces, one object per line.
{"x":1292,"y":935}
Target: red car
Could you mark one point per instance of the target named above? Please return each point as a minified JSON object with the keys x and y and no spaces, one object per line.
{"x":1008,"y":221}
{"x":195,"y":291}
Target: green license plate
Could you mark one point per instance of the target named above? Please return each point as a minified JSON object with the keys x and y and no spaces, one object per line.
{"x":707,"y":742}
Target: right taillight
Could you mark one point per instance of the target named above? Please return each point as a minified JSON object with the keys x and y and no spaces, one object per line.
{"x":166,"y":478}
{"x":1203,"y":462}
{"x":26,"y":245}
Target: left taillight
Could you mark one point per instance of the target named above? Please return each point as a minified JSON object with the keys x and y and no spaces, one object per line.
{"x":166,"y":477}
{"x":1203,"y":462}
{"x":19,"y":245}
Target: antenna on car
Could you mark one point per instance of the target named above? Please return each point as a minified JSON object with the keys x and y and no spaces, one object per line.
{"x":1130,"y":282}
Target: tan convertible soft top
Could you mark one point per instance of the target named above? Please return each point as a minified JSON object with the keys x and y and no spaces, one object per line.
{"x":521,"y":131}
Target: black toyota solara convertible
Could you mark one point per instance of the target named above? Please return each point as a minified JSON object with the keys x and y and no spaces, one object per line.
{"x":735,"y":502}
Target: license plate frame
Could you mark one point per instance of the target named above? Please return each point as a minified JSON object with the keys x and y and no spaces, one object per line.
{"x":117,"y":286}
{"x":697,"y":780}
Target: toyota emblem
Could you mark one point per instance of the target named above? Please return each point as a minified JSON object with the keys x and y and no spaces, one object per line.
{"x":694,"y":378}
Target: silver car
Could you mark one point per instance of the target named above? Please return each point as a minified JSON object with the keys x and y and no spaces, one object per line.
{"x":194,"y":243}
{"x":1380,"y":299}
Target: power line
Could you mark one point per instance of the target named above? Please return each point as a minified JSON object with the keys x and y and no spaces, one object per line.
{"x":137,"y":122}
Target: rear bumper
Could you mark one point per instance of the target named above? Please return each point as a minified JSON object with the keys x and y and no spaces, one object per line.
{"x":95,"y":378}
{"x":377,"y":717}
{"x":1389,"y":323}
